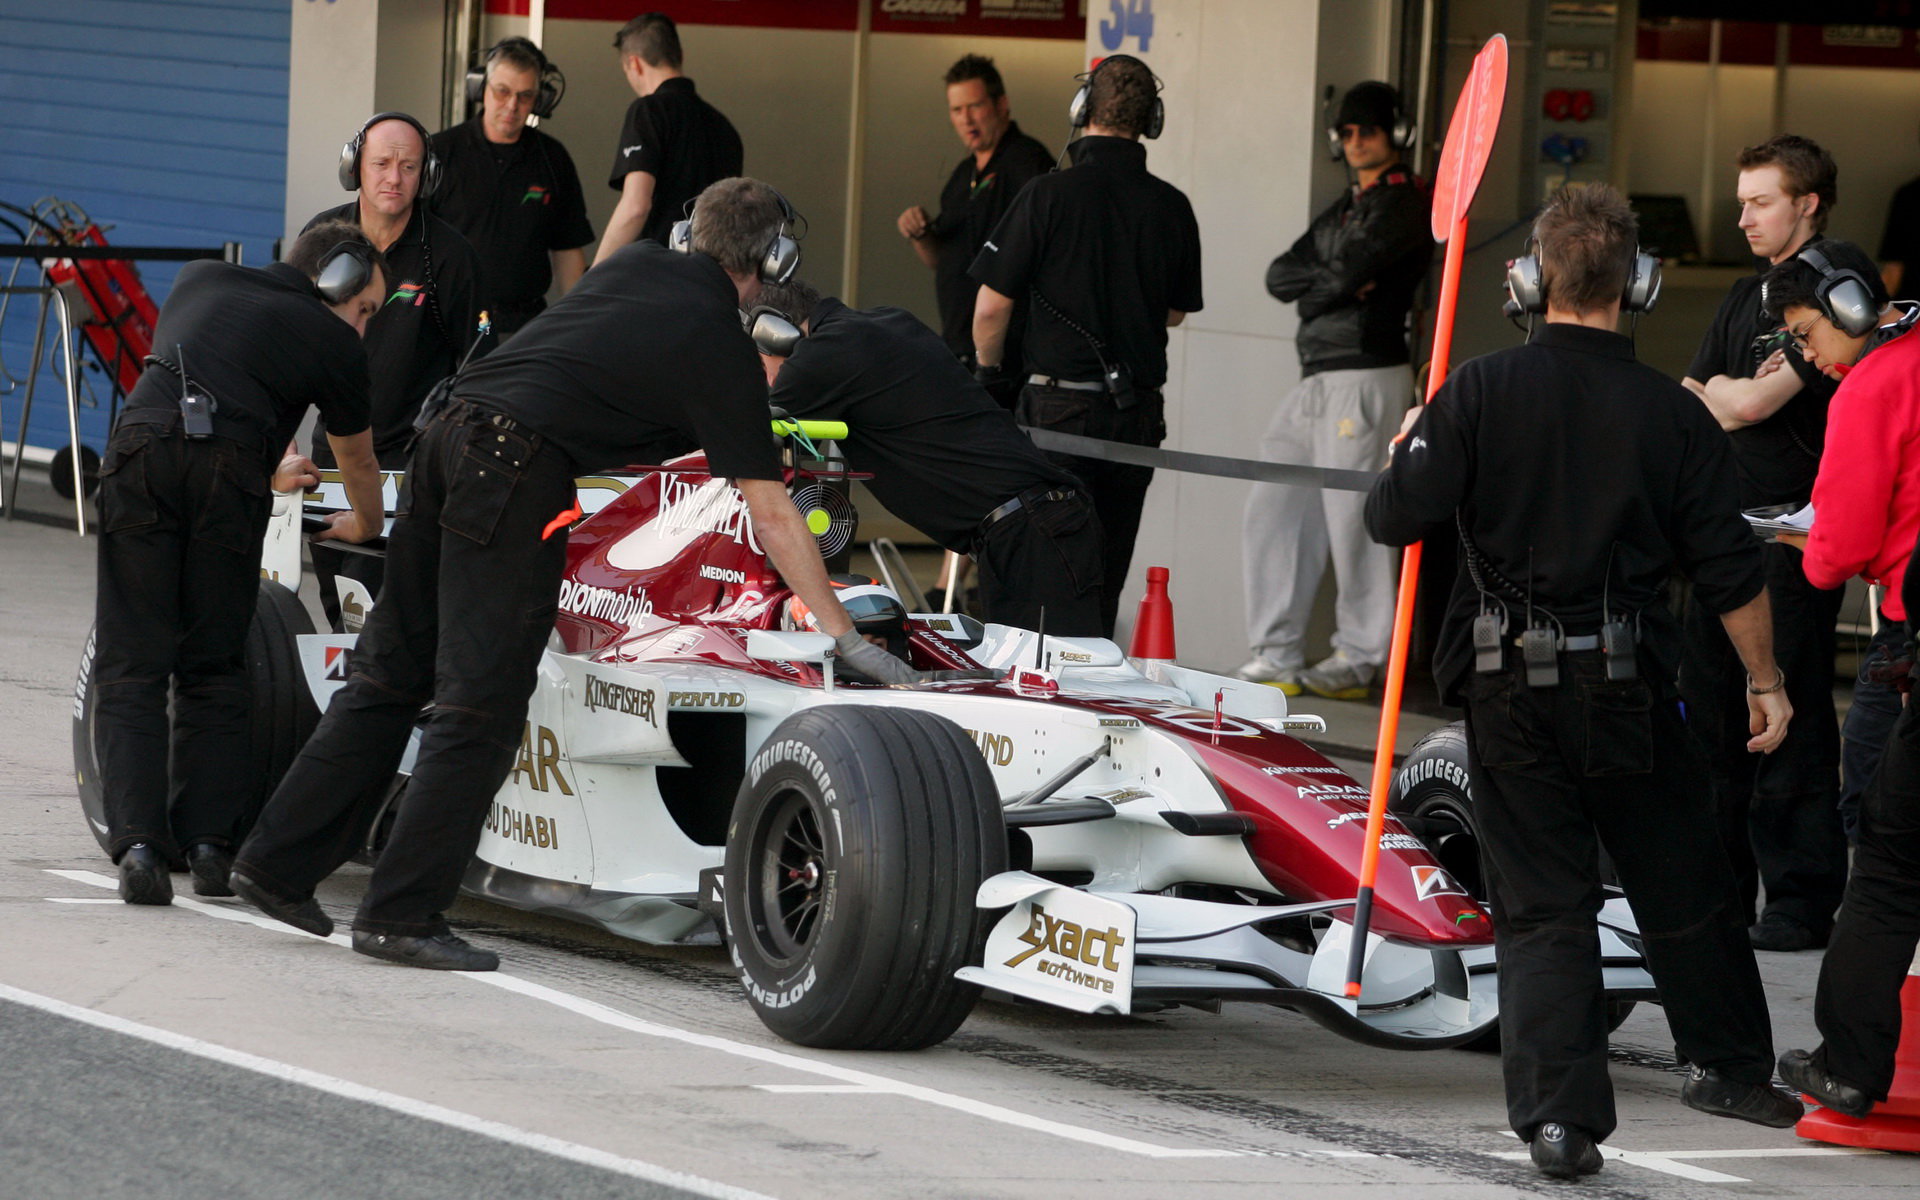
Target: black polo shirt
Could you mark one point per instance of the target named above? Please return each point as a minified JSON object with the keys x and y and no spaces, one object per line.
{"x":264,"y":346}
{"x":971,"y":204}
{"x":1566,"y":457}
{"x":514,"y":202}
{"x":643,"y":360}
{"x":683,"y":142}
{"x":1777,"y":458}
{"x":943,"y":455}
{"x":419,"y":336}
{"x":1109,"y":247}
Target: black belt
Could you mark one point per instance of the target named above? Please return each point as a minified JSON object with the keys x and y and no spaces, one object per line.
{"x":1071,"y":385}
{"x":1573,"y":643}
{"x":1030,"y":496}
{"x":171,"y":423}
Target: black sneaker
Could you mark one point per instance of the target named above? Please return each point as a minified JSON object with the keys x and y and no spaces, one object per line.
{"x":1761,"y":1103}
{"x":1563,"y":1152}
{"x":1783,"y":934}
{"x":210,"y":865}
{"x":305,"y":915}
{"x":1804,"y":1074}
{"x":442,"y":952}
{"x":143,"y":876}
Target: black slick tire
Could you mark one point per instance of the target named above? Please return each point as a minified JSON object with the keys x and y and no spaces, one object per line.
{"x":858,"y":840}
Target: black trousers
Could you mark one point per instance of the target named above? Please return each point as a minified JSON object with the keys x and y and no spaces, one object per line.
{"x":1558,"y":773}
{"x":1779,"y":814}
{"x":1868,"y":724}
{"x":468,"y":605}
{"x":1118,"y":490}
{"x":1857,"y":1004}
{"x":1046,"y":556}
{"x":181,"y":524}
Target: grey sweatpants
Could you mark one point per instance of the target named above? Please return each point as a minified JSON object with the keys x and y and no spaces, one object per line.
{"x":1343,"y":420}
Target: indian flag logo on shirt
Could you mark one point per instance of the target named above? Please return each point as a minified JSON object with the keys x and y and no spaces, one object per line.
{"x":409,"y":293}
{"x":536,"y":195}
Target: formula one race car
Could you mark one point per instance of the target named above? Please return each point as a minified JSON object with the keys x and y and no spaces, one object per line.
{"x":1077,"y":830}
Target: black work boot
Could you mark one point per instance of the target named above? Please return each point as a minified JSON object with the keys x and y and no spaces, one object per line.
{"x":143,"y":876}
{"x":442,"y":952}
{"x":1563,"y":1152}
{"x":1804,"y":1073}
{"x":1761,"y":1103}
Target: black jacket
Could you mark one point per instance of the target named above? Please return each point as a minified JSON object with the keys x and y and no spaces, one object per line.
{"x":1378,"y":236}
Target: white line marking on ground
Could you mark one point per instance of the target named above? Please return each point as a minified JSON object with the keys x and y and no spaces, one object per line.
{"x":81,"y":900}
{"x":861,"y":1080}
{"x":813,"y":1089}
{"x":1666,"y":1161}
{"x":1652,"y":1162}
{"x":572,"y":1151}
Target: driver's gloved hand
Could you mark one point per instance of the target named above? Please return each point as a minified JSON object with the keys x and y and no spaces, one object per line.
{"x":961,"y":676}
{"x":861,"y":657}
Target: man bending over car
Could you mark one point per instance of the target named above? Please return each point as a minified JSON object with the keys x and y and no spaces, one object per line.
{"x":644,"y":360}
{"x":944,"y":457}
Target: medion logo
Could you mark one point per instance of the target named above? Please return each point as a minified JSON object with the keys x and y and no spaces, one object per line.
{"x":722,"y":574}
{"x":621,"y":608}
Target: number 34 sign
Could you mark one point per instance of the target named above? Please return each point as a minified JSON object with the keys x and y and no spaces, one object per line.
{"x":1129,"y":19}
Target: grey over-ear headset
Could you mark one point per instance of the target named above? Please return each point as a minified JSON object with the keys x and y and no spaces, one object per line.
{"x":782,"y":256}
{"x":1080,"y":108}
{"x":344,"y":273}
{"x":350,"y":155}
{"x":774,"y":333}
{"x":1845,"y":297}
{"x":1399,"y":134}
{"x":1527,"y":294}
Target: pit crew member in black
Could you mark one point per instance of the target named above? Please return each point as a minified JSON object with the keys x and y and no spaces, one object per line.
{"x":944,"y":457}
{"x":1581,"y":481}
{"x":512,"y":192}
{"x":183,"y":508}
{"x":1777,"y":813}
{"x":422,"y":331}
{"x":1109,"y":257}
{"x":672,"y":144}
{"x":643,"y":360}
{"x":1000,"y":161}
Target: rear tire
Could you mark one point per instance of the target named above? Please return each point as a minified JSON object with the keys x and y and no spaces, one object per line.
{"x":283,"y":710}
{"x":857,"y":844}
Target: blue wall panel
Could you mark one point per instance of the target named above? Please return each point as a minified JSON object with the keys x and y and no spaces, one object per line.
{"x":166,"y":120}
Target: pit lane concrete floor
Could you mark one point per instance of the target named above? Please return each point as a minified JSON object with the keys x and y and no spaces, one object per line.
{"x":195,"y":1050}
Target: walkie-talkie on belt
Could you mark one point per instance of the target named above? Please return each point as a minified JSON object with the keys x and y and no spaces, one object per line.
{"x":196,"y":407}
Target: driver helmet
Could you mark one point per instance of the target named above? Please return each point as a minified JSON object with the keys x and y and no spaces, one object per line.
{"x":876,"y":609}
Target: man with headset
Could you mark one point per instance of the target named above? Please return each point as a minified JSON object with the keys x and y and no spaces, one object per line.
{"x":1000,"y":161}
{"x":1353,"y":275}
{"x":422,"y":332}
{"x":511,"y":189}
{"x":643,"y":361}
{"x":1559,"y":640}
{"x":672,"y":144}
{"x":1777,"y":813}
{"x":944,"y":457}
{"x":240,"y":355}
{"x":1109,"y":258}
{"x":1866,"y":519}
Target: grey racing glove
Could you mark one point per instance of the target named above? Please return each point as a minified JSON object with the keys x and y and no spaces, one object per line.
{"x":870,"y":661}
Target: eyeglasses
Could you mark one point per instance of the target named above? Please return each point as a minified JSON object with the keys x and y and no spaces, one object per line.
{"x":1799,"y":336}
{"x":1350,"y":132}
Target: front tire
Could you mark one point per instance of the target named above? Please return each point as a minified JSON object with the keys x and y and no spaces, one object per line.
{"x":283,"y":711}
{"x":858,"y":841}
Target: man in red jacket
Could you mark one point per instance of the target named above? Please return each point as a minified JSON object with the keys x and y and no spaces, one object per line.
{"x":1866,"y":504}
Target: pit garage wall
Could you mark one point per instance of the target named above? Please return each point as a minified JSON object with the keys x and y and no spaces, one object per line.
{"x":1244,"y":140}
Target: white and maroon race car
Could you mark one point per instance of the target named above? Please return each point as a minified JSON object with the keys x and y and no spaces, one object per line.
{"x":1080,"y":831}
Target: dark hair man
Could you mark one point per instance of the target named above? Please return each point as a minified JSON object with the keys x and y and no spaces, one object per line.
{"x":512,"y":192}
{"x":1867,"y":516}
{"x":1353,"y":275}
{"x":672,"y":144}
{"x":644,"y":360}
{"x":422,"y":332}
{"x":183,"y":513}
{"x":1578,"y":749}
{"x":1000,"y":160}
{"x":1110,"y":257}
{"x":1778,"y":813}
{"x":945,"y":458}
